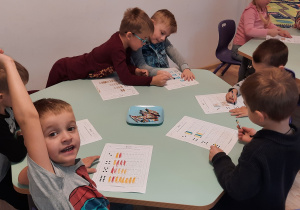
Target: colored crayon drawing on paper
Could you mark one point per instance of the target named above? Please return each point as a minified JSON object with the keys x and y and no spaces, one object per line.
{"x":123,"y":168}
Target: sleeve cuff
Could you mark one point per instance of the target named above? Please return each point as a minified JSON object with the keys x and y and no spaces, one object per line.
{"x":184,"y":66}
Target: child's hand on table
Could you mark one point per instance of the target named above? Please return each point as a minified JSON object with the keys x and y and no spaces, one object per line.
{"x":188,"y":75}
{"x":88,"y":161}
{"x":239,"y":112}
{"x":231,"y":96}
{"x":273,"y":31}
{"x":160,"y":79}
{"x":284,"y":33}
{"x":213,"y":151}
{"x":141,"y":72}
{"x":245,"y":134}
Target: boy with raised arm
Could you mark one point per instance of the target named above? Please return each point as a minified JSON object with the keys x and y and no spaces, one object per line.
{"x":269,"y":162}
{"x":12,"y":146}
{"x":57,"y":180}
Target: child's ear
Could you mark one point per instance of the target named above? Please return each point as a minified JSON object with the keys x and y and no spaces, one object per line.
{"x":262,"y":116}
{"x":128,"y":35}
{"x":281,"y":67}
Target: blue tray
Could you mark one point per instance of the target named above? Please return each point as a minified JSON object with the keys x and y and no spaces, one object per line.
{"x":145,"y":115}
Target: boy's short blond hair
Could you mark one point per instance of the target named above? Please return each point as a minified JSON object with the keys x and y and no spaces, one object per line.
{"x":272,"y":91}
{"x":166,"y":17}
{"x":3,"y":80}
{"x":136,"y":21}
{"x":51,"y":106}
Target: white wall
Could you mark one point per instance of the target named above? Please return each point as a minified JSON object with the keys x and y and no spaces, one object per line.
{"x":37,"y":33}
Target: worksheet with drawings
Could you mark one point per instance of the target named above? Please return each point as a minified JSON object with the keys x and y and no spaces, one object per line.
{"x":112,"y":88}
{"x":123,"y":168}
{"x":204,"y":134}
{"x":176,"y":81}
{"x":216,"y":103}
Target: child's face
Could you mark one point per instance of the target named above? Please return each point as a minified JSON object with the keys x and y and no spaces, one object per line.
{"x":161,"y":32}
{"x":5,"y":101}
{"x":252,"y":115}
{"x":61,"y":136}
{"x":138,"y":40}
{"x":262,"y":3}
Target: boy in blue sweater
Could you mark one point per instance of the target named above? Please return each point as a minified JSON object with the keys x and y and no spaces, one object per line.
{"x":156,"y":52}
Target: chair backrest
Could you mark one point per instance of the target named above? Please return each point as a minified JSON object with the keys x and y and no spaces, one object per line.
{"x":226,"y":33}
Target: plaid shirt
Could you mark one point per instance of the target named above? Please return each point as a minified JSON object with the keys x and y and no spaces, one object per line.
{"x":155,"y":55}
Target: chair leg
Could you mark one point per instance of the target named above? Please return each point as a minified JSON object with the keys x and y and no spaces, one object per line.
{"x":226,"y":68}
{"x":220,"y":66}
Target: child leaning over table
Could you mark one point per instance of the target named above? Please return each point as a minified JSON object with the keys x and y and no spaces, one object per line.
{"x":57,"y":180}
{"x":155,"y":53}
{"x":269,"y":162}
{"x":12,"y":146}
{"x":113,"y":55}
{"x":270,"y":53}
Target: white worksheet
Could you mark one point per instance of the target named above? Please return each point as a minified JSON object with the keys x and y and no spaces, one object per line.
{"x":177,"y":82}
{"x":123,"y":168}
{"x":216,"y":103}
{"x":204,"y":134}
{"x":294,"y":39}
{"x":112,"y":88}
{"x":87,"y":132}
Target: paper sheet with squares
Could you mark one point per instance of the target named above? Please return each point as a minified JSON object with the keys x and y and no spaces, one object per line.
{"x":177,"y":81}
{"x":123,"y":168}
{"x":87,"y":132}
{"x":216,"y":103}
{"x":112,"y":88}
{"x":294,"y":39}
{"x":204,"y":134}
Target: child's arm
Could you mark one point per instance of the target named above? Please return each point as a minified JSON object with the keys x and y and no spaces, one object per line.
{"x":139,"y":61}
{"x":176,"y":57}
{"x":141,"y":72}
{"x":26,"y":115}
{"x":239,"y":112}
{"x":231,"y":96}
{"x":246,"y":134}
{"x":88,"y":162}
{"x":250,"y":16}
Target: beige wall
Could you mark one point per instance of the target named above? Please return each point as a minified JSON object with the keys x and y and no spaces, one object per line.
{"x":37,"y":33}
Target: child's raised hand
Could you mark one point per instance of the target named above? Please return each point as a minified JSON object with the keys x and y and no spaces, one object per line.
{"x":88,"y":163}
{"x":239,"y":112}
{"x":188,"y":75}
{"x":273,"y":31}
{"x":245,"y":134}
{"x":1,"y":51}
{"x":231,"y":96}
{"x":213,"y":151}
{"x":160,"y":80}
{"x":141,"y":72}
